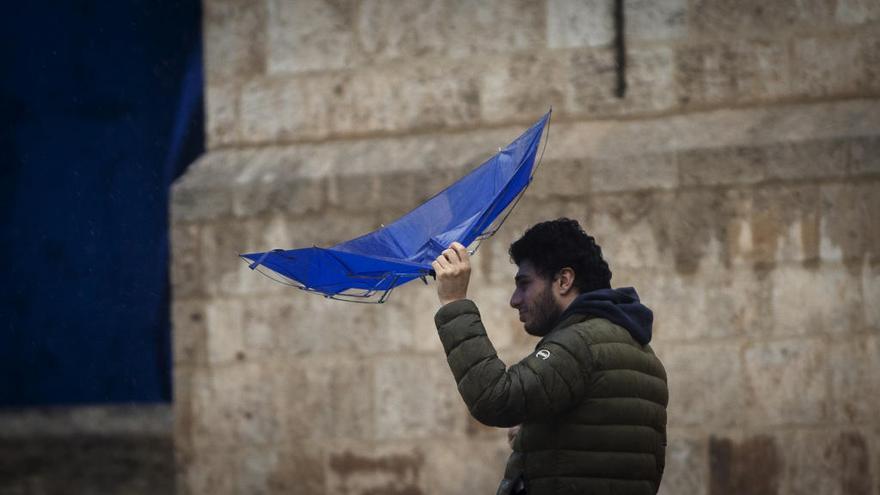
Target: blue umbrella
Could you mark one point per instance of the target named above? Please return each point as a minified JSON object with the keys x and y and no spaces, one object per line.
{"x":368,"y":268}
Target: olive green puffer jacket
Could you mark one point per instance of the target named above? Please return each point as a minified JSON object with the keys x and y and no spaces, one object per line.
{"x":590,"y":399}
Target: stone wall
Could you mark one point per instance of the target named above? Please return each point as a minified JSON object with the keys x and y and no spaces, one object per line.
{"x":735,"y":184}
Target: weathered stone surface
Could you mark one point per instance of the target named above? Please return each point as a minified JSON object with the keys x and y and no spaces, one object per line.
{"x":576,"y":24}
{"x":523,"y":85}
{"x":412,"y":29}
{"x":634,"y":172}
{"x":715,"y":73}
{"x":857,"y":11}
{"x":849,"y":228}
{"x":221,"y":114}
{"x":826,"y":66}
{"x":224,"y":333}
{"x":753,"y":464}
{"x":836,"y":462}
{"x":715,"y":304}
{"x":325,"y":397}
{"x":855,"y":378}
{"x":235,"y":404}
{"x":780,"y":161}
{"x":687,"y":464}
{"x":234,"y":39}
{"x":775,"y":224}
{"x":653,"y":20}
{"x":871,"y":294}
{"x":410,"y":408}
{"x":788,"y":381}
{"x":802,"y":301}
{"x":592,"y":80}
{"x":462,"y":466}
{"x":186,"y":273}
{"x":864,"y":155}
{"x":310,"y":35}
{"x":359,"y":469}
{"x":721,"y":18}
{"x":707,"y":385}
{"x":189,"y":330}
{"x":568,"y":179}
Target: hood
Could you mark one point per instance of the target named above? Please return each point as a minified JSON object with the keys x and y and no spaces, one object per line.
{"x":619,"y":306}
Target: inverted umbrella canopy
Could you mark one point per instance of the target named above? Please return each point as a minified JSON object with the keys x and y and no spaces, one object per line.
{"x":367,"y":268}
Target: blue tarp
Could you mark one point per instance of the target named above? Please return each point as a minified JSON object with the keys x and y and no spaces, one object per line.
{"x":467,"y":211}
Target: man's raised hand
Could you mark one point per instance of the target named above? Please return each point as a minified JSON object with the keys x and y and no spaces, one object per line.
{"x":453,"y":268}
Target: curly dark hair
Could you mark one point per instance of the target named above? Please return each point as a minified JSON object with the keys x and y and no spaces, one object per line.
{"x":555,"y":244}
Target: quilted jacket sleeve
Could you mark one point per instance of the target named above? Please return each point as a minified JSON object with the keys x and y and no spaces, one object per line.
{"x":543,"y":384}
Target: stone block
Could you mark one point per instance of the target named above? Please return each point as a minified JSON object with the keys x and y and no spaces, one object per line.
{"x":224,"y":335}
{"x":319,"y":325}
{"x":223,"y":271}
{"x":364,"y":469}
{"x":409,"y":314}
{"x":416,"y":397}
{"x":691,"y":226}
{"x":789,"y":380}
{"x":412,"y":29}
{"x":209,"y":472}
{"x":687,"y":464}
{"x":281,"y":193}
{"x":864,"y":155}
{"x":189,"y":331}
{"x":297,"y":469}
{"x":722,"y":166}
{"x":234,"y":39}
{"x":577,"y":24}
{"x":855,"y":379}
{"x":650,"y":81}
{"x":236,"y":405}
{"x":634,"y":172}
{"x":624,"y":227}
{"x":321,"y":398}
{"x":186,"y":276}
{"x":592,"y":82}
{"x":454,"y":466}
{"x":651,"y":21}
{"x":857,"y":11}
{"x":832,"y":461}
{"x":311,"y":35}
{"x":221,"y":114}
{"x":561,"y":179}
{"x":829,"y":66}
{"x":776,"y":224}
{"x":283,"y":109}
{"x":716,"y":73}
{"x":522,"y":86}
{"x":822,"y":300}
{"x":848,"y":227}
{"x":819,"y":159}
{"x":746,"y":464}
{"x":723,"y":18}
{"x":871,"y":294}
{"x":707,"y":385}
{"x":714,"y":304}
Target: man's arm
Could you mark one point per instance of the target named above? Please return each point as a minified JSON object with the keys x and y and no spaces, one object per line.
{"x":543,"y":384}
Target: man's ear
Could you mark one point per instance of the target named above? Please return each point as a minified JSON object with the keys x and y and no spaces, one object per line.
{"x":565,"y":281}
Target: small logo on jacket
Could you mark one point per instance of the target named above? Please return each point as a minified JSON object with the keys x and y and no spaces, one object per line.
{"x":543,"y":354}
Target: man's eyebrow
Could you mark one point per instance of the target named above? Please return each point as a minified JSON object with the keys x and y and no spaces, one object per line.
{"x":520,"y":277}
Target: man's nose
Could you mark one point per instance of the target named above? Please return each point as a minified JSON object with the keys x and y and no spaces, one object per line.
{"x":514,"y":300}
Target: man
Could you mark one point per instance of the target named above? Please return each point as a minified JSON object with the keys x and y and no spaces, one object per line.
{"x":591,"y":400}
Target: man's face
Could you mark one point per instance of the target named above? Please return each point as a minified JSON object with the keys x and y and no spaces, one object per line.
{"x":533,"y":297}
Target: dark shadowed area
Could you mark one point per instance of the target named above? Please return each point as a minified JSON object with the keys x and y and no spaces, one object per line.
{"x":101,"y":105}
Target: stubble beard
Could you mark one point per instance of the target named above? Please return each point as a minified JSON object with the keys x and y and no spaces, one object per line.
{"x":545,"y":314}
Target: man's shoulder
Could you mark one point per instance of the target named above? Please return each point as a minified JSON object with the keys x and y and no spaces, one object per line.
{"x":593,"y":330}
